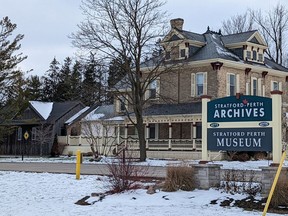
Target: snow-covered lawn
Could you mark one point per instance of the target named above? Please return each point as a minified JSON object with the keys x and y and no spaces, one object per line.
{"x":42,"y":194}
{"x":248,"y":165}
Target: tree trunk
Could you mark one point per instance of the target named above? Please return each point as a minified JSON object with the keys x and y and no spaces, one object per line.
{"x":141,"y":137}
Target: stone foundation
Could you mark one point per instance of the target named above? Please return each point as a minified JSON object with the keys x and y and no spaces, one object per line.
{"x":207,"y":175}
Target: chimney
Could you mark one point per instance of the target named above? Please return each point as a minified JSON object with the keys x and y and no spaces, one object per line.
{"x":177,"y":23}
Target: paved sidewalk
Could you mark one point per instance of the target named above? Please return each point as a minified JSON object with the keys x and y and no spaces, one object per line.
{"x":69,"y":168}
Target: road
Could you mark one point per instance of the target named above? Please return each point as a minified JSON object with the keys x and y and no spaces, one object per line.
{"x":69,"y":168}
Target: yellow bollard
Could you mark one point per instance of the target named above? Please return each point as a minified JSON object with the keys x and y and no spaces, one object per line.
{"x":274,"y":183}
{"x":78,"y":164}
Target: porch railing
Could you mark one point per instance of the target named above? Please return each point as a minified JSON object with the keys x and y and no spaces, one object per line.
{"x":132,"y":143}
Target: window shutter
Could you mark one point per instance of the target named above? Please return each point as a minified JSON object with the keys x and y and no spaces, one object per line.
{"x":247,"y":88}
{"x":228,"y":84}
{"x":259,"y":86}
{"x":205,"y":83}
{"x":271,"y":86}
{"x":237,"y":83}
{"x":117,"y":105}
{"x":193,"y":85}
{"x":280,"y":86}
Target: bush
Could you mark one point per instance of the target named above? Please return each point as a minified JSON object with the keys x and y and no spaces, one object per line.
{"x":179,"y":178}
{"x":235,"y":181}
{"x":124,"y":173}
{"x":280,"y":197}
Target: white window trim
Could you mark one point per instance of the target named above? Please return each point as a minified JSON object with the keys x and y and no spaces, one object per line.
{"x":194,"y":89}
{"x":228,"y":83}
{"x":251,"y":92}
{"x":279,"y":85}
{"x":147,"y":92}
{"x":118,"y":104}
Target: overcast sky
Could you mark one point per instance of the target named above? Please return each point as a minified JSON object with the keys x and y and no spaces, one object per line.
{"x":46,"y":24}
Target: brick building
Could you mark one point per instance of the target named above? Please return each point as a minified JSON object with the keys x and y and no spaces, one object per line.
{"x":204,"y":64}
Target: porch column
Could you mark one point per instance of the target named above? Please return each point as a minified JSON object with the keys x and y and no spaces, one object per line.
{"x":118,"y":137}
{"x":102,"y":139}
{"x":170,"y":136}
{"x":118,"y":134}
{"x":126,"y":135}
{"x":194,"y":134}
{"x":147,"y":135}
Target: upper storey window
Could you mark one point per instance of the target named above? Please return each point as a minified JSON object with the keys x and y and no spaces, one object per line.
{"x":248,"y":55}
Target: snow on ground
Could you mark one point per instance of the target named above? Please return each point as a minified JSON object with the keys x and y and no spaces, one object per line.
{"x":31,"y":194}
{"x":248,"y":165}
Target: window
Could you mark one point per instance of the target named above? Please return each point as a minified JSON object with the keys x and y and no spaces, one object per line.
{"x":121,"y":104}
{"x":153,"y":89}
{"x":254,"y":55}
{"x":198,"y":84}
{"x":276,"y":86}
{"x":231,"y":84}
{"x":248,"y":54}
{"x":152,"y":131}
{"x":260,"y":57}
{"x":198,"y":130}
{"x":34,"y":133}
{"x":183,"y":53}
{"x":19,"y":134}
{"x":254,"y":86}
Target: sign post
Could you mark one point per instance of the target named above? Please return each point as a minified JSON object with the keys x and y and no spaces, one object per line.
{"x":205,"y":100}
{"x":276,"y":125}
{"x":26,"y":137}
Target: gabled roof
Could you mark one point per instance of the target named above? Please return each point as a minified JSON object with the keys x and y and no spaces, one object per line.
{"x":77,"y":116}
{"x":103,"y":112}
{"x":238,"y":38}
{"x":193,"y":36}
{"x":43,"y":109}
{"x":61,"y":108}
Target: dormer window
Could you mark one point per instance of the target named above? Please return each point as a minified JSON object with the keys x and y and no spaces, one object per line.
{"x":260,"y":57}
{"x":248,"y":54}
{"x":183,"y":53}
{"x":254,"y":55}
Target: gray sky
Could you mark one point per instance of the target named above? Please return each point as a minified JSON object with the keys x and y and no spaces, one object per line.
{"x":46,"y":24}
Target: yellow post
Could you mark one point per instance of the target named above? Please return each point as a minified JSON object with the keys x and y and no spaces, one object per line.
{"x":78,"y":164}
{"x":274,"y":183}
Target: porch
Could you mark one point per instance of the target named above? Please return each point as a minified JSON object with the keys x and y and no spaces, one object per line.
{"x":159,"y":137}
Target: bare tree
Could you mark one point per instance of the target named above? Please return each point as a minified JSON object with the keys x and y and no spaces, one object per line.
{"x":101,"y":137}
{"x":43,"y":136}
{"x":127,"y":29}
{"x":273,"y":25}
{"x":237,"y":24}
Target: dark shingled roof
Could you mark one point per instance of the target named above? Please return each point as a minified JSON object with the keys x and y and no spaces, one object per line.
{"x":193,"y":36}
{"x":107,"y":110}
{"x":173,"y":109}
{"x":61,"y":108}
{"x":214,"y":48}
{"x":237,"y":38}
